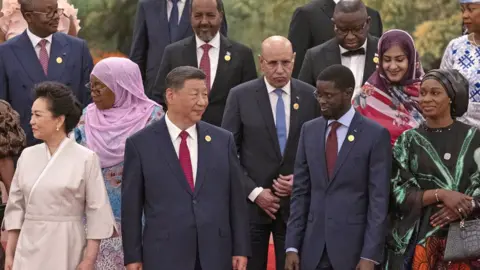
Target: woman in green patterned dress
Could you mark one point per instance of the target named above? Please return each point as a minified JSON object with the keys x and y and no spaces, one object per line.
{"x":435,"y":177}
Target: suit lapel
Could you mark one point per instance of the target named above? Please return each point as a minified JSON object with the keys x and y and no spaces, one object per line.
{"x":190,"y":52}
{"x":59,"y":53}
{"x":165,"y":148}
{"x":28,"y":58}
{"x":184,"y":23}
{"x":223,"y":65}
{"x":370,"y":66}
{"x":295,"y":106}
{"x":319,"y":132}
{"x":162,"y":20}
{"x":265,"y":107}
{"x":333,"y":57}
{"x":354,"y":129}
{"x":204,"y":150}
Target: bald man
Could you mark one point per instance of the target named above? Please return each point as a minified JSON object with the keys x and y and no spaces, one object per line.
{"x":265,"y":116}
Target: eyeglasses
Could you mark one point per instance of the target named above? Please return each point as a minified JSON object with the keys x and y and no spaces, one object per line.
{"x":97,"y":89}
{"x":51,"y":13}
{"x":274,"y":64}
{"x":356,"y":31}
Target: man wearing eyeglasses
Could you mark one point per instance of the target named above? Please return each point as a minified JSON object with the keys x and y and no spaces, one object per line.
{"x":265,"y":116}
{"x":352,"y":46}
{"x":41,"y":54}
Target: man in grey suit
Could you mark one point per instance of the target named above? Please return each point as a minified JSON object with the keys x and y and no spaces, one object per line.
{"x":159,"y":23}
{"x":341,"y":190}
{"x":184,"y":175}
{"x":265,"y":116}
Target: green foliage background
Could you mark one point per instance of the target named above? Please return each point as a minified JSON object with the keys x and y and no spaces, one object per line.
{"x":108,"y":24}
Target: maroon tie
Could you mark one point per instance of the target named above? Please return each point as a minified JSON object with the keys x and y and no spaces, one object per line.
{"x":43,"y":55}
{"x":332,"y":148}
{"x":184,"y":157}
{"x":205,"y":63}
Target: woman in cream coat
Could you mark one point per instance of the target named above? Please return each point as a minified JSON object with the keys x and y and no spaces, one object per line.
{"x":55,"y":186}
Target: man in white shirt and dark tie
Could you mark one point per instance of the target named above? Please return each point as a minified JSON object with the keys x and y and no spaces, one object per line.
{"x":159,"y":23}
{"x":226,"y":63}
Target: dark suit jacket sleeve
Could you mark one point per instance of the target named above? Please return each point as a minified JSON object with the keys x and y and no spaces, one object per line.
{"x":3,"y":80}
{"x":300,"y":200}
{"x":377,"y":25}
{"x":299,"y":35}
{"x":224,"y":27}
{"x":378,"y":197}
{"x":249,"y":70}
{"x":138,"y":53}
{"x":238,"y":206}
{"x":159,"y":88}
{"x":87,"y":67}
{"x":132,"y":204}
{"x":232,"y":122}
{"x":306,"y":73}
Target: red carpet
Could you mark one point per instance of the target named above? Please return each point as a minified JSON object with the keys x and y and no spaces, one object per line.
{"x":271,"y":258}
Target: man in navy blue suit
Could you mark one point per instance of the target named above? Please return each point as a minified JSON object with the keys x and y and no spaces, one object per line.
{"x":340,"y":194}
{"x":185,"y":176}
{"x":159,"y":23}
{"x":41,"y":54}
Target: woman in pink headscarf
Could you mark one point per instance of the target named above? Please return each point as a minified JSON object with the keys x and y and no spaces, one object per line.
{"x":119,"y":109}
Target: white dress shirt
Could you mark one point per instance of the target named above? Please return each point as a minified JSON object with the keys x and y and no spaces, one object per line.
{"x":336,"y":1}
{"x":192,"y":142}
{"x":180,"y":5}
{"x":36,"y":39}
{"x":286,"y":96}
{"x":213,"y":53}
{"x":356,"y":64}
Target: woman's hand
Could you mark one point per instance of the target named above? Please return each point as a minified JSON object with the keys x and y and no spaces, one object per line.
{"x":457,"y":202}
{"x":443,"y":217}
{"x":86,"y":264}
{"x":8,"y":262}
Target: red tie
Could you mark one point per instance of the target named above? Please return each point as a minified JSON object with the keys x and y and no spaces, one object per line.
{"x":43,"y":56}
{"x":205,"y":63}
{"x":184,"y":157}
{"x":332,"y":148}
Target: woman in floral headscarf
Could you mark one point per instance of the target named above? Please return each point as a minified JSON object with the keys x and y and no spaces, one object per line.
{"x":119,"y":109}
{"x":390,"y":95}
{"x":12,"y":22}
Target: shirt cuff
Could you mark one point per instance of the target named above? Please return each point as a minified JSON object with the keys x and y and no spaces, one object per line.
{"x":292,"y":250}
{"x":376,"y":263}
{"x":254,"y":194}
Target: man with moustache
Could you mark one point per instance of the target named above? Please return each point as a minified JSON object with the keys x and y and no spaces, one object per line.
{"x":265,"y":116}
{"x":184,"y":175}
{"x":352,"y":46}
{"x":226,"y":63}
{"x":312,"y":25}
{"x":341,"y":190}
{"x":41,"y":54}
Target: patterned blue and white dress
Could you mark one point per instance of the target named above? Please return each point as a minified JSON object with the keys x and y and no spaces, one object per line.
{"x":464,"y":56}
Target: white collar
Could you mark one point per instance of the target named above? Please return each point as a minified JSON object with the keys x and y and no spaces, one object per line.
{"x":36,"y":39}
{"x":346,"y":118}
{"x":174,"y":131}
{"x":215,"y":42}
{"x":286,"y":89}
{"x":336,"y":1}
{"x":364,"y":46}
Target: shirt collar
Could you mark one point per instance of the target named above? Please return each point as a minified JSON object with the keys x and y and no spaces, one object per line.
{"x":336,"y":1}
{"x":181,"y":1}
{"x":36,"y":39}
{"x":286,"y":89}
{"x":346,"y":119}
{"x":215,"y":42}
{"x":174,"y":131}
{"x":343,"y":50}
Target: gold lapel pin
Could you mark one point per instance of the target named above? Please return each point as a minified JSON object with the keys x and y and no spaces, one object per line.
{"x":296,"y":106}
{"x":208,"y":138}
{"x":351,"y":138}
{"x":59,"y":60}
{"x":228,"y":57}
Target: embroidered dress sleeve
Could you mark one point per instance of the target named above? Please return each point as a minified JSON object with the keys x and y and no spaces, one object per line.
{"x":100,"y":220}
{"x":15,"y":210}
{"x":448,"y":61}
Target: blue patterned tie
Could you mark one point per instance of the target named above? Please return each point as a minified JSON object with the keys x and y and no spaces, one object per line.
{"x":281,"y":123}
{"x":173,"y":22}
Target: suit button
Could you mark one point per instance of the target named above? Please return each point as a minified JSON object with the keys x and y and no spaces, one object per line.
{"x":194,"y":201}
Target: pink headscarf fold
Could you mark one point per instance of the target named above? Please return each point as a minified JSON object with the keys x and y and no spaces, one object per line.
{"x":108,"y":130}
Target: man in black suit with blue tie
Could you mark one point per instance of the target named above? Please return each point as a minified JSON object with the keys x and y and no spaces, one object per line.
{"x":41,"y":54}
{"x":265,"y":116}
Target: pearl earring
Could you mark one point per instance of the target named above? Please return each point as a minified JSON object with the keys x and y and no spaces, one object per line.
{"x":58,"y":129}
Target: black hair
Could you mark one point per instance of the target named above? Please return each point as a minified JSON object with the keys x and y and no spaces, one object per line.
{"x":350,"y":6}
{"x":61,"y":101}
{"x":341,"y":76}
{"x":177,"y":77}
{"x":220,"y":7}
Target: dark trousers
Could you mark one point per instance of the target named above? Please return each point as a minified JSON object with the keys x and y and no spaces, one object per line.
{"x":260,"y":240}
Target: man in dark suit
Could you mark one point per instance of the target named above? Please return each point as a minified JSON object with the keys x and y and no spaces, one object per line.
{"x":265,"y":115}
{"x":40,"y":54}
{"x":340,"y":194}
{"x":226,"y":63}
{"x":312,"y":25}
{"x":159,"y":23}
{"x":185,"y":176}
{"x":352,"y":46}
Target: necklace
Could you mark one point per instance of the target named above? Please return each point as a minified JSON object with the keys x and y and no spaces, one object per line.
{"x":437,"y":130}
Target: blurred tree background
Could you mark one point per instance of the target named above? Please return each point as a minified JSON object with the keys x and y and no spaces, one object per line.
{"x":108,"y":24}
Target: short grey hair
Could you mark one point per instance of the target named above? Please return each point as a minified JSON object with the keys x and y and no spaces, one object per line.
{"x":177,"y":77}
{"x":26,"y":5}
